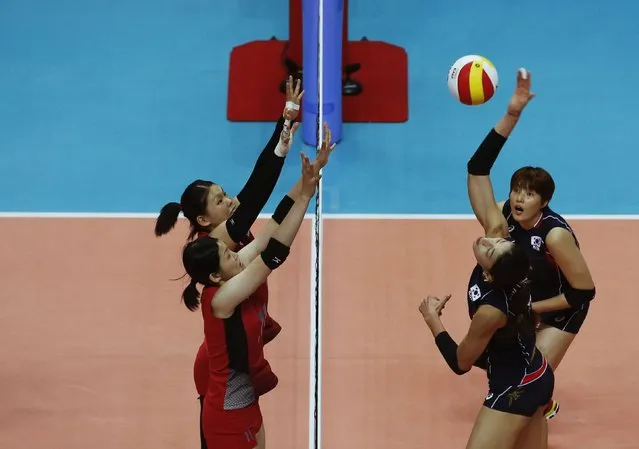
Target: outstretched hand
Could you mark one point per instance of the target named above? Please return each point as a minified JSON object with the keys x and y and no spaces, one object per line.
{"x":522,"y":94}
{"x":325,"y":150}
{"x":293,"y":99}
{"x":310,"y":178}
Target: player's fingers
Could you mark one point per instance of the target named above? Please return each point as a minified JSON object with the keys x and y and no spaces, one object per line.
{"x":523,"y":79}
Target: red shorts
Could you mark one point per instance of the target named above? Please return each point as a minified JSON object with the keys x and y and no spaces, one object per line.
{"x":231,"y":429}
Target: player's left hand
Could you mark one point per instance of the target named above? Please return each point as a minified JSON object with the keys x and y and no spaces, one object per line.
{"x":293,"y":99}
{"x":522,"y":94}
{"x":433,"y":306}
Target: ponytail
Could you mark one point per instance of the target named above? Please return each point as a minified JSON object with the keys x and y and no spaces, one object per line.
{"x":200,"y":258}
{"x":521,"y":307}
{"x":167,"y":218}
{"x":191,"y":296}
{"x":511,"y":273}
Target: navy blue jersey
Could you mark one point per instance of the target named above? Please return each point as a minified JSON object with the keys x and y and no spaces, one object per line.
{"x":547,"y":278}
{"x":510,"y":351}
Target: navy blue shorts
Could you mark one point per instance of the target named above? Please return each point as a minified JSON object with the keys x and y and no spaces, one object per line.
{"x":524,"y":398}
{"x":568,"y":320}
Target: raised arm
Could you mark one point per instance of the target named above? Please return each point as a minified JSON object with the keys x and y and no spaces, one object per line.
{"x":480,"y":188}
{"x":252,"y":250}
{"x":266,"y":172}
{"x":460,"y":358}
{"x":241,"y":286}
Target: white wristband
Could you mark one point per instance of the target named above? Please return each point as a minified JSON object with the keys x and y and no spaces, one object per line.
{"x":279,"y":149}
{"x":291,"y":105}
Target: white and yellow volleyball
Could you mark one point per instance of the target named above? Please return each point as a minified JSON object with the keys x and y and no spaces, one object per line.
{"x":473,"y":80}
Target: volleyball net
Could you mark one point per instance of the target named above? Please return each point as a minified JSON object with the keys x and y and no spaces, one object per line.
{"x":322,"y":61}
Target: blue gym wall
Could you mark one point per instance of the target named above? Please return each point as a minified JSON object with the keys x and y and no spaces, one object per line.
{"x":114,"y":106}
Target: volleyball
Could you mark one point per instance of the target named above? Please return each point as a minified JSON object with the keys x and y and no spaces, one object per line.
{"x":473,"y":80}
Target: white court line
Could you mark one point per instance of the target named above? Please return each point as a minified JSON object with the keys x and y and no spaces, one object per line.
{"x":465,"y":216}
{"x":325,"y":216}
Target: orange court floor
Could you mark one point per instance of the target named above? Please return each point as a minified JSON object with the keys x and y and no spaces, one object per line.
{"x":97,"y":352}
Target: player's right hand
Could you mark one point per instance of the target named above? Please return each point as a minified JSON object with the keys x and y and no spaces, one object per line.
{"x":310,"y":178}
{"x":286,"y":138}
{"x":325,"y":150}
{"x":522,"y":94}
{"x":293,"y":97}
{"x":432,"y":306}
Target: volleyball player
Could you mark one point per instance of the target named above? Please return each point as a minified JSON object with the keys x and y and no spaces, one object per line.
{"x":211,"y":211}
{"x":233,"y":305}
{"x":501,"y":337}
{"x":561,"y":284}
{"x":520,"y":380}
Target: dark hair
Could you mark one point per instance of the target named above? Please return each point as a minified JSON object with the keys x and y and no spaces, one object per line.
{"x":192,"y":204}
{"x":510,"y":273}
{"x":200,"y":258}
{"x":536,"y":179}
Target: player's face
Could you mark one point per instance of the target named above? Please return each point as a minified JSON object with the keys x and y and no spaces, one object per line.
{"x":230,"y":263}
{"x":488,"y":249}
{"x":525,"y":204}
{"x":219,"y":206}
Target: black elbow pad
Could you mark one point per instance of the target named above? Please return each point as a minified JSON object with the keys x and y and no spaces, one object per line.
{"x":275,"y":254}
{"x":448,"y":348}
{"x":577,"y":297}
{"x":484,"y":158}
{"x":238,"y":227}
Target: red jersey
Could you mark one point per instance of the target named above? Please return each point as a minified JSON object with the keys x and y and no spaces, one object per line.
{"x":235,"y":351}
{"x":201,"y":365}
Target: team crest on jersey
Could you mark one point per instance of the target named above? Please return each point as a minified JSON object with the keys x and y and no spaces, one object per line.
{"x":474,"y":293}
{"x":536,"y":242}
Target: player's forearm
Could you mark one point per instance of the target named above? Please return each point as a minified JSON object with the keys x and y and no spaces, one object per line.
{"x":551,"y":304}
{"x":279,"y":215}
{"x":266,"y":171}
{"x":506,"y":125}
{"x":296,"y":190}
{"x":289,"y":227}
{"x":447,"y":346}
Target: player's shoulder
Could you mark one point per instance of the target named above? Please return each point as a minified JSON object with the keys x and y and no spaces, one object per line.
{"x":208,"y":292}
{"x":480,"y":291}
{"x":550,"y":219}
